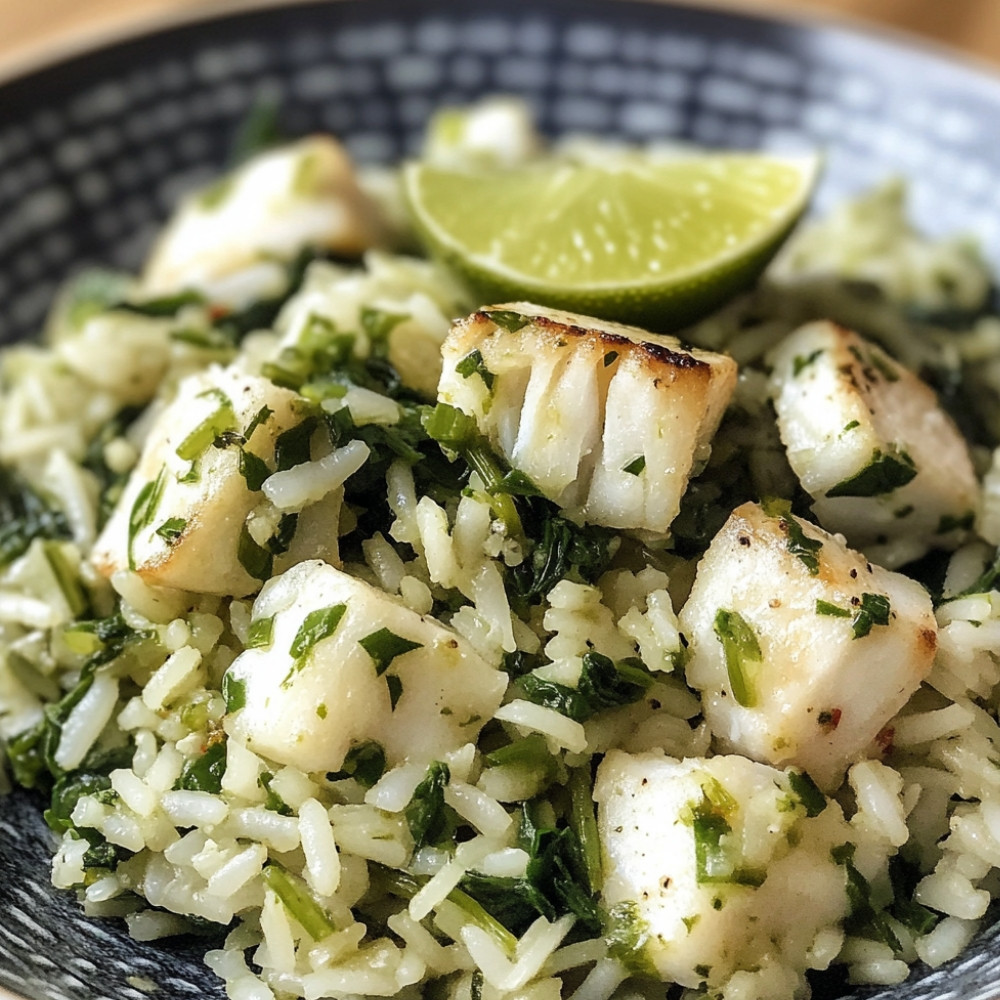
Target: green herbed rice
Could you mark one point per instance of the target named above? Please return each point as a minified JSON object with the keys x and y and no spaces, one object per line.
{"x":336,"y":842}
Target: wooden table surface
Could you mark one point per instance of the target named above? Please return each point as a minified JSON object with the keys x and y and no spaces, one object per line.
{"x":32,"y":31}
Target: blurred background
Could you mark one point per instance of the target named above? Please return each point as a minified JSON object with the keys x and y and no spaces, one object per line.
{"x":31,"y":30}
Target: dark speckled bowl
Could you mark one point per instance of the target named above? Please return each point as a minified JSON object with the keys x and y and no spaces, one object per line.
{"x":93,"y":152}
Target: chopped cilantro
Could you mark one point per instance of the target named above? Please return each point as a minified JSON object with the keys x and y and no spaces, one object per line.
{"x":886,"y":471}
{"x":831,"y":610}
{"x":636,"y":466}
{"x":384,"y":646}
{"x":473,"y":364}
{"x":172,"y":529}
{"x":742,"y":651}
{"x":874,"y":610}
{"x":510,"y":321}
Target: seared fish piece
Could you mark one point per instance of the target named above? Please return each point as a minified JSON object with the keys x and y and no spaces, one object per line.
{"x":181,"y":520}
{"x":606,"y":420}
{"x":871,"y":445}
{"x":801,"y":648}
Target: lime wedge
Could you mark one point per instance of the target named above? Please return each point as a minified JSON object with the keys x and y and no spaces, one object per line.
{"x":654,"y":242}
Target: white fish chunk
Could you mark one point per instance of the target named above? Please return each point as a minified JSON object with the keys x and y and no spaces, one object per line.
{"x":870,"y":443}
{"x":181,"y":520}
{"x":606,"y":420}
{"x":232,"y":240}
{"x":342,"y":663}
{"x":727,"y":863}
{"x":801,"y":648}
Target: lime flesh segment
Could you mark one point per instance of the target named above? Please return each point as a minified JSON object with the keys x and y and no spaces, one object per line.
{"x":658,"y":243}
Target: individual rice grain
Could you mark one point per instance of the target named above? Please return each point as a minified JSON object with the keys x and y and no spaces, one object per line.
{"x":86,"y":721}
{"x":475,"y":806}
{"x":433,"y":892}
{"x":537,"y":718}
{"x":490,"y":597}
{"x":602,"y":981}
{"x":236,"y":871}
{"x":439,"y":959}
{"x":946,"y":941}
{"x":923,"y":727}
{"x":320,"y":848}
{"x":952,"y":893}
{"x":278,"y":948}
{"x":294,"y":489}
{"x":281,"y":833}
{"x":178,"y":675}
{"x":134,"y":792}
{"x":192,"y":808}
{"x":384,"y":561}
{"x":877,"y":789}
{"x":371,"y":834}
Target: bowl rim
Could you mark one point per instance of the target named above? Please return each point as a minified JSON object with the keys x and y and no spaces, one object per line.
{"x":85,"y":42}
{"x":31,"y":58}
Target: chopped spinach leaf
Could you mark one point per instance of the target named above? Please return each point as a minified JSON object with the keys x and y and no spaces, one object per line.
{"x":204,"y":773}
{"x":801,"y":362}
{"x":831,"y":610}
{"x":144,"y":510}
{"x":395,"y":686}
{"x":807,"y":792}
{"x":171,"y":529}
{"x":234,"y":691}
{"x":254,"y":558}
{"x":318,"y":625}
{"x":253,"y":469}
{"x":25,"y":514}
{"x":425,"y":814}
{"x":365,"y":763}
{"x":261,"y":633}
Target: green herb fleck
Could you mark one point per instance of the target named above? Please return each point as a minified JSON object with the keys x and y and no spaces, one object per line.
{"x":253,"y":469}
{"x":807,"y":792}
{"x":254,"y":558}
{"x":395,"y":686}
{"x":204,"y":773}
{"x":234,"y":691}
{"x":742,"y":650}
{"x":885,"y":472}
{"x":850,"y":425}
{"x":636,"y":466}
{"x":260,"y":635}
{"x":831,"y":610}
{"x":473,"y":364}
{"x":365,"y":763}
{"x":425,"y":814}
{"x":801,"y":362}
{"x":610,"y":358}
{"x":143,"y":510}
{"x":510,"y":321}
{"x":384,"y":646}
{"x":874,"y":610}
{"x":172,"y":529}
{"x":220,"y":420}
{"x":316,"y":626}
